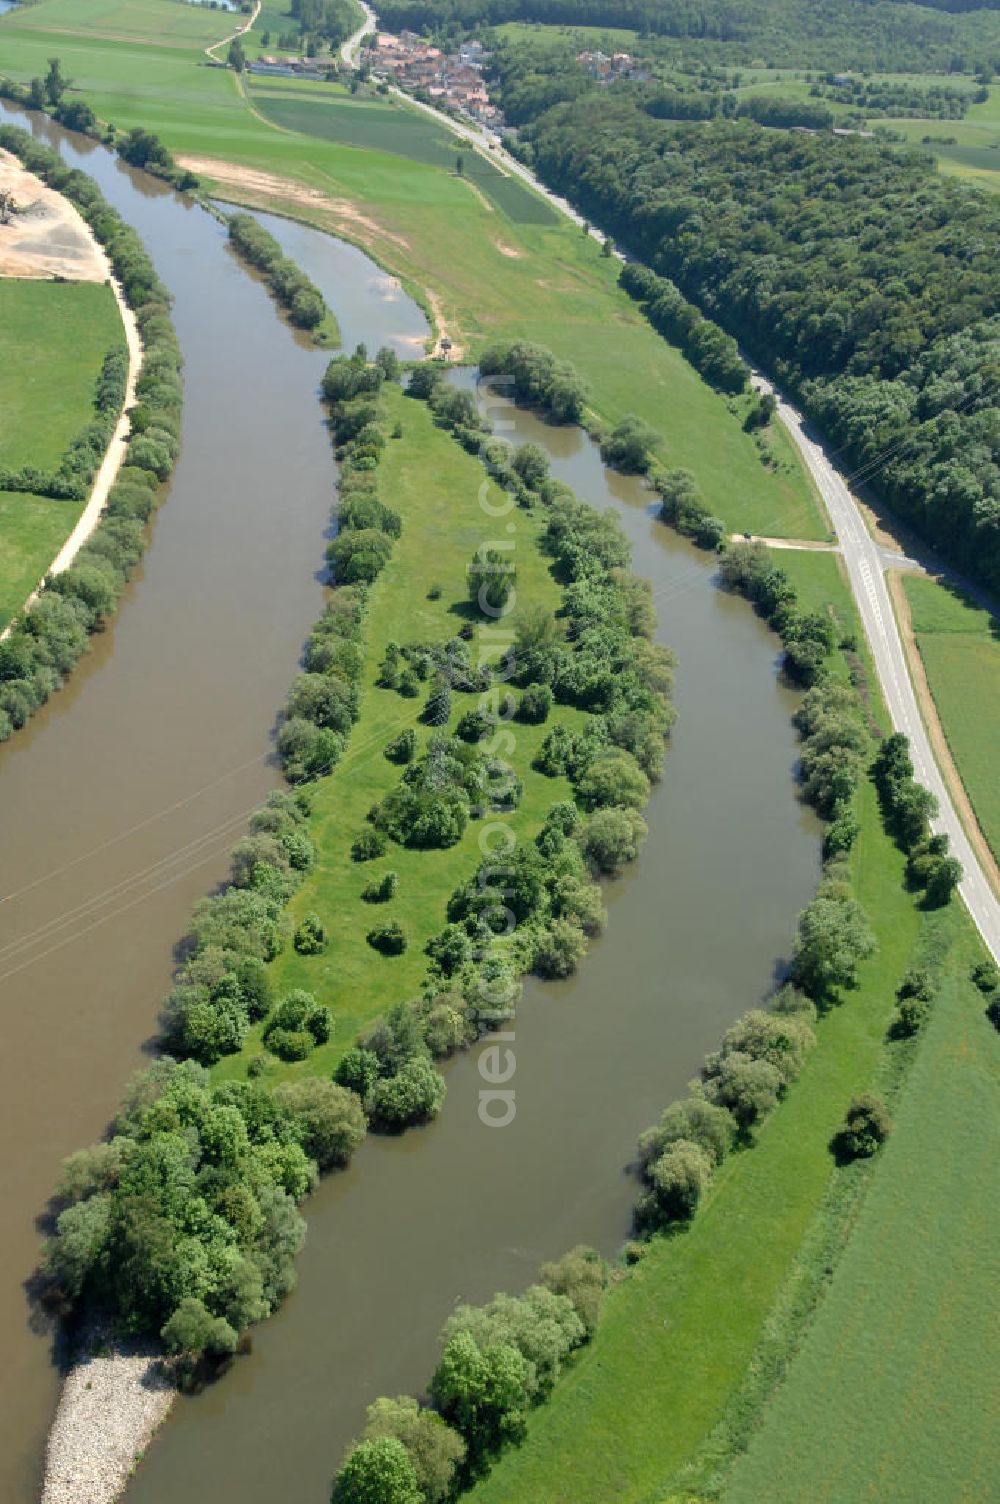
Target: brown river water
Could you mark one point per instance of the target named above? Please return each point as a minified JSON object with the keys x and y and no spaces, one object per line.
{"x":116,"y":809}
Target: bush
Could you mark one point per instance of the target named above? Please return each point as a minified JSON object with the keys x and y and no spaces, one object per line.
{"x":492,"y":574}
{"x":296,"y":1025}
{"x":678,"y":1180}
{"x":865,"y":1129}
{"x":534,"y":705}
{"x":381,"y":889}
{"x":696,"y":1121}
{"x":389,"y":939}
{"x":402,"y":748}
{"x":327,"y":1119}
{"x":559,"y":949}
{"x":985,"y":976}
{"x":310,"y":937}
{"x":434,"y":1449}
{"x":582,"y":1276}
{"x":610,"y":839}
{"x":369,"y":844}
{"x":357,"y":1070}
{"x":377,"y":1472}
{"x":413,"y":1095}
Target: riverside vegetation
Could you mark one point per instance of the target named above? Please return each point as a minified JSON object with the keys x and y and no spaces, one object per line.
{"x":185,"y":1222}
{"x":50,"y":635}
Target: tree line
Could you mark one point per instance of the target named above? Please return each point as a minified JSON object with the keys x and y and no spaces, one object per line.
{"x":300,"y":297}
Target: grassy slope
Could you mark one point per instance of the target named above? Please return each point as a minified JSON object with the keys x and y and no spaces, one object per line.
{"x":435,"y":487}
{"x":960,"y":646}
{"x":555,"y":288}
{"x":909,"y":1326}
{"x":53,"y":338}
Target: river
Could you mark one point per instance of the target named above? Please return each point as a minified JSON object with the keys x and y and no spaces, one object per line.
{"x":180,"y":696}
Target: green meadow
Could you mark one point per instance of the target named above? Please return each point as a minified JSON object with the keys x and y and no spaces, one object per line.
{"x":480,"y":246}
{"x":636,"y":1415}
{"x":53,"y":338}
{"x":435,"y":486}
{"x":959,"y":643}
{"x":891,"y":1395}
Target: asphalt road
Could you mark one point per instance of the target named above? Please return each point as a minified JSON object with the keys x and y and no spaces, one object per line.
{"x":865,"y":568}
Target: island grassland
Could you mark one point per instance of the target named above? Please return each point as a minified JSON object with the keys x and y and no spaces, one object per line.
{"x":435,"y":486}
{"x":53,"y":339}
{"x":484,"y":250}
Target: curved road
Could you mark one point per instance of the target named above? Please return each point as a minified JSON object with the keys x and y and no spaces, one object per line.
{"x":865,"y":568}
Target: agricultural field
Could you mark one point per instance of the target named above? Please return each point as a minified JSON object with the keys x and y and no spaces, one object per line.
{"x":53,"y":338}
{"x":170,"y":23}
{"x":333,"y":114}
{"x":435,"y":486}
{"x":883,"y":1400}
{"x":959,"y":643}
{"x":502,"y":276}
{"x":679,"y":1336}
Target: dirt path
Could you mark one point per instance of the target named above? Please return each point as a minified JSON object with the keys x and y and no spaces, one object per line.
{"x":811,"y":545}
{"x":928,"y":711}
{"x":59,"y":242}
{"x":239,"y":32}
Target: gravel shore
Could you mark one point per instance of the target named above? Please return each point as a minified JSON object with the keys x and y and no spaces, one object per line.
{"x":111,"y":1405}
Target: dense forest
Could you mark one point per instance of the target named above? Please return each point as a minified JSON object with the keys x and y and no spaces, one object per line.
{"x":887,"y":35}
{"x":867,"y":283}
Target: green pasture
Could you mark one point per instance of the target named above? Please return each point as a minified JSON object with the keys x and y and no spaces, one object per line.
{"x":435,"y":486}
{"x":32,"y":531}
{"x":164,"y":23}
{"x":959,"y":643}
{"x":333,"y":114}
{"x":893,"y":1394}
{"x":53,"y":338}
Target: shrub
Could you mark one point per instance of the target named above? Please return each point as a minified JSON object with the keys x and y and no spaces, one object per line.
{"x":377,"y":1472}
{"x":559,"y":949}
{"x":695,"y":1120}
{"x":582,"y":1276}
{"x":389,"y":939}
{"x":434,"y":1449}
{"x":985,"y":976}
{"x":402,"y":748}
{"x":327,"y":1119}
{"x":296,"y":1025}
{"x":310,"y":937}
{"x":610,"y":839}
{"x":678,"y":1180}
{"x":381,"y":889}
{"x":369,"y":844}
{"x":911,"y":1016}
{"x":492,"y":574}
{"x":865,"y":1129}
{"x":413,"y":1095}
{"x":534,"y":705}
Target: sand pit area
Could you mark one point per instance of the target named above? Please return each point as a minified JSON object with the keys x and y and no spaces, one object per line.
{"x":46,"y":237}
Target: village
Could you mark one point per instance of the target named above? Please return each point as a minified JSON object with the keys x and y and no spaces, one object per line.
{"x":452,"y":80}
